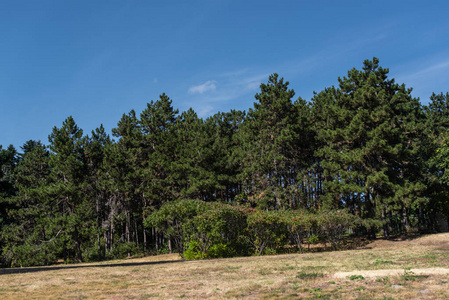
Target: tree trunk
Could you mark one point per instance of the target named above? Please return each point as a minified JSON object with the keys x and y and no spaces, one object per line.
{"x":77,"y":245}
{"x":136,"y":233}
{"x":98,"y":227}
{"x":144,"y":237}
{"x":386,"y":230}
{"x":156,"y":239}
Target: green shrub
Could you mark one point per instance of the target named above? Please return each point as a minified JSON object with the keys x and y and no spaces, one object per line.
{"x":266,"y":230}
{"x":299,"y":225}
{"x":218,"y":231}
{"x":220,"y":250}
{"x":171,"y":218}
{"x":334,"y":224}
{"x":193,"y":251}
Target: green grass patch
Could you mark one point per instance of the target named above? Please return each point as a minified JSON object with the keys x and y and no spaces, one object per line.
{"x":382,"y":262}
{"x":355,"y":277}
{"x":309,"y":275}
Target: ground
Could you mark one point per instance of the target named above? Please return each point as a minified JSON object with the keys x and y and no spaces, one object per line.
{"x":411,"y":268}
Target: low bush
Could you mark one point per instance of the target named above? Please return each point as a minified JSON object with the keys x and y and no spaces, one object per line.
{"x":210,"y":230}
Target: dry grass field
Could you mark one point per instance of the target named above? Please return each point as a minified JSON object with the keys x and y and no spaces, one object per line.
{"x":415,"y":268}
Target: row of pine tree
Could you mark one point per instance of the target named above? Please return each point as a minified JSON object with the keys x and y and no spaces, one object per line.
{"x":366,"y":146}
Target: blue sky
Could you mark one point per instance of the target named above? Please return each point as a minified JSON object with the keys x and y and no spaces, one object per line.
{"x":96,"y":60}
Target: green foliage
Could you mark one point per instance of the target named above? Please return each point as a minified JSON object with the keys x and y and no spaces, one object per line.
{"x":220,"y":224}
{"x":172,"y":217}
{"x":370,"y":130}
{"x":335,"y":224}
{"x":266,"y":230}
{"x":218,"y":250}
{"x":209,"y":230}
{"x":26,"y":255}
{"x":272,"y":141}
{"x":123,"y":250}
{"x":300,"y":226}
{"x":313,"y":239}
{"x":194,"y":251}
{"x":442,"y":158}
{"x":331,"y":226}
{"x":359,"y":157}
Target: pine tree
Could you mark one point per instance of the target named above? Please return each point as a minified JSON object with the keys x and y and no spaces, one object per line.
{"x":95,"y":152}
{"x":8,"y":161}
{"x":268,"y":140}
{"x":157,"y":123}
{"x":222,"y":129}
{"x":434,"y":154}
{"x":369,"y":130}
{"x":126,"y":161}
{"x":69,"y":170}
{"x":194,"y":158}
{"x":32,"y":237}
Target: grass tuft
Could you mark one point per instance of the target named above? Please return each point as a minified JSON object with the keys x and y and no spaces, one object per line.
{"x":309,"y":275}
{"x":355,"y":277}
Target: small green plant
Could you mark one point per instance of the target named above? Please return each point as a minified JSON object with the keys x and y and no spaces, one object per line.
{"x":264,"y":272}
{"x":382,"y":262}
{"x":360,"y":288}
{"x":193,"y":251}
{"x":355,"y":277}
{"x":313,"y":239}
{"x":151,"y":295}
{"x":383,"y":279}
{"x":309,"y":275}
{"x":408,"y":275}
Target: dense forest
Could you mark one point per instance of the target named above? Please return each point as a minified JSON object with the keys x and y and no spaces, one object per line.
{"x":363,"y":158}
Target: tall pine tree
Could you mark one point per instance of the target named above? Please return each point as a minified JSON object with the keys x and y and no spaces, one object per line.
{"x":369,"y":129}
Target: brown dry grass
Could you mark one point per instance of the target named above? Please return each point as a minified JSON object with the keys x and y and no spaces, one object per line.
{"x":416,"y":268}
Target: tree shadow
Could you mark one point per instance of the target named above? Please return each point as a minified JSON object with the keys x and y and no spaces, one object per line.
{"x":393,"y":240}
{"x":25,"y":270}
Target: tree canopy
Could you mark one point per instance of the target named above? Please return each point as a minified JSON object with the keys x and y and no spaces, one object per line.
{"x":364,"y":154}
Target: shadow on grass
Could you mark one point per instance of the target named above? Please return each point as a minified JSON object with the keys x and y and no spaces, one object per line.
{"x":394,"y":240}
{"x":7,"y":271}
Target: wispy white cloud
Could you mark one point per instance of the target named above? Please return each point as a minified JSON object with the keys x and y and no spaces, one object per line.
{"x":236,"y":89}
{"x":202,"y":88}
{"x":205,"y":110}
{"x":433,"y":70}
{"x":425,"y":77}
{"x":238,"y":86}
